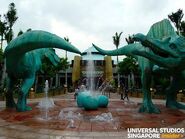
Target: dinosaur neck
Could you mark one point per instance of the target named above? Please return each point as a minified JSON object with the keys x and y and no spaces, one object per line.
{"x":35,"y":40}
{"x":126,"y":50}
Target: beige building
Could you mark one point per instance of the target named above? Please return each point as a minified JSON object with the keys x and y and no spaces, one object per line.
{"x":104,"y":69}
{"x":103,"y":66}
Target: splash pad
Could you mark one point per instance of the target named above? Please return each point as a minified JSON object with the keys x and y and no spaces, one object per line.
{"x":124,"y":115}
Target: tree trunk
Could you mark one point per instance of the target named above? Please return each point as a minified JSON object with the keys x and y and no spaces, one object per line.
{"x":51,"y":82}
{"x":3,"y":75}
{"x":36,"y":81}
{"x":1,"y":42}
{"x":133,"y":80}
{"x":56,"y":80}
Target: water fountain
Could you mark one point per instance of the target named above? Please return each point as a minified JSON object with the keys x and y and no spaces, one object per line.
{"x":91,"y":100}
{"x":90,"y":69}
{"x":105,"y":117}
{"x":70,"y":116}
{"x":45,"y":104}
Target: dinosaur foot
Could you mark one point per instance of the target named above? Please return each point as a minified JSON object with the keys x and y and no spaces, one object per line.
{"x":22,"y":109}
{"x":28,"y":108}
{"x":174,"y":105}
{"x":149,"y":107}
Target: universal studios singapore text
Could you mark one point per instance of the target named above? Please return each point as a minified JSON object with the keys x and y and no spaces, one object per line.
{"x":155,"y":133}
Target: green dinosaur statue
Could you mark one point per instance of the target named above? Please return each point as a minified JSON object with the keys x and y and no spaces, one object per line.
{"x":160,"y":53}
{"x":169,"y":56}
{"x":24,"y":57}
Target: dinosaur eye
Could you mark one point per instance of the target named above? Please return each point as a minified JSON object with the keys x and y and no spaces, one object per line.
{"x":173,"y":46}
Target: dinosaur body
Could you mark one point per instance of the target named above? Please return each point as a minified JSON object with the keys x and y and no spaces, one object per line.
{"x":169,"y":55}
{"x":29,"y":63}
{"x":24,"y":58}
{"x":148,"y":57}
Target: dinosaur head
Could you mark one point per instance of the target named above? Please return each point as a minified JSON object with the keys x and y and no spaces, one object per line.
{"x":163,"y":48}
{"x":170,"y":51}
{"x":52,"y":56}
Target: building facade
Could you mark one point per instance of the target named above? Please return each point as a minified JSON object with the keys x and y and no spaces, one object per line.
{"x":104,"y":70}
{"x":103,"y":67}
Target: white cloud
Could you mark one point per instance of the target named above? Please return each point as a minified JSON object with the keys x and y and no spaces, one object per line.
{"x":77,"y":37}
{"x":92,"y":21}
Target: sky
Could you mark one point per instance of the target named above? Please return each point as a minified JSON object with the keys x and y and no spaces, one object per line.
{"x":91,"y":21}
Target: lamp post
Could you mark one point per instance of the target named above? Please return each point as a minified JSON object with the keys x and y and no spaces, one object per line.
{"x":66,"y":39}
{"x":118,"y":72}
{"x":66,"y":72}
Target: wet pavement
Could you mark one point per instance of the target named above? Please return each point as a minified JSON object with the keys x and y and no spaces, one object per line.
{"x":125,"y":115}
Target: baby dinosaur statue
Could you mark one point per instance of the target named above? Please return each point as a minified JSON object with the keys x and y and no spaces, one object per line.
{"x":24,"y":57}
{"x":160,"y":50}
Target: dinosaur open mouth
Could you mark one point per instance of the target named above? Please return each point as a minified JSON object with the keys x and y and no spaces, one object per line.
{"x":156,"y":50}
{"x":160,"y":53}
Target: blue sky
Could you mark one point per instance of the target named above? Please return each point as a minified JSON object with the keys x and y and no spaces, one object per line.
{"x":91,"y":21}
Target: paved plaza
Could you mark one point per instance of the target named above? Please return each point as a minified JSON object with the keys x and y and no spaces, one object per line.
{"x":26,"y":125}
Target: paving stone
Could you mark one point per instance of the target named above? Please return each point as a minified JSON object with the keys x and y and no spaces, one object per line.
{"x":26,"y":125}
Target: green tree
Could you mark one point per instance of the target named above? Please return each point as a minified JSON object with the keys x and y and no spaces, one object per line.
{"x":1,"y":60}
{"x":128,"y":65}
{"x":11,"y":18}
{"x":2,"y":31}
{"x":50,"y":70}
{"x":116,"y":41}
{"x":47,"y":68}
{"x":1,"y":65}
{"x":129,"y":40}
{"x":63,"y":65}
{"x":176,"y":19}
{"x":7,"y":32}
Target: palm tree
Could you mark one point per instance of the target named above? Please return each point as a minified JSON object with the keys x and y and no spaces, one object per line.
{"x":128,"y":65}
{"x":129,"y":40}
{"x":116,"y":41}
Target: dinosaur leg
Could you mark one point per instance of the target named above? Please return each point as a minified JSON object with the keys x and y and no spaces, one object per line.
{"x":10,"y":103}
{"x":21,"y":104}
{"x":171,"y":94}
{"x":147,"y":105}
